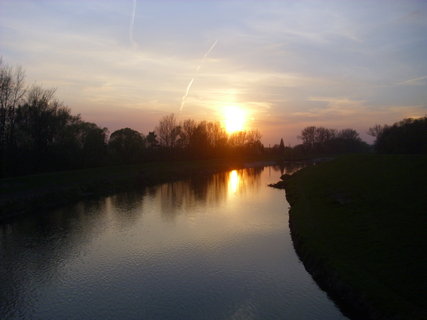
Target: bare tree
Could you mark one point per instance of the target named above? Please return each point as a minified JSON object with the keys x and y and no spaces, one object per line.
{"x":324,"y":135}
{"x":376,"y":130}
{"x":308,"y":136}
{"x":217,"y":135}
{"x":12,"y":91}
{"x":237,"y":139}
{"x":188,"y":128}
{"x":168,"y":131}
{"x":349,"y":134}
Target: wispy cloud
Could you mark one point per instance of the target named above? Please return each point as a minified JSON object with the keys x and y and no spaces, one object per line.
{"x":420,"y":81}
{"x":131,"y":24}
{"x":279,"y":59}
{"x":346,"y":109}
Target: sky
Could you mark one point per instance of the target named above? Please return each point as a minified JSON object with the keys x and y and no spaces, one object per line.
{"x":287,"y":64}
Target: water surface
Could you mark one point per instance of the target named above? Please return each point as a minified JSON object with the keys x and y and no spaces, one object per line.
{"x":216,"y":247}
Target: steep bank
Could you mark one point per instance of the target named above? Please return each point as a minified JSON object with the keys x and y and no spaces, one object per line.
{"x":358,"y":224}
{"x":39,"y":192}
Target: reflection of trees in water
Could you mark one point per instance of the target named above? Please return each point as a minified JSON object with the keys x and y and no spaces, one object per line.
{"x":37,"y":246}
{"x":204,"y":191}
{"x":34,"y":248}
{"x":249,"y":179}
{"x":128,"y":206}
{"x":184,"y":195}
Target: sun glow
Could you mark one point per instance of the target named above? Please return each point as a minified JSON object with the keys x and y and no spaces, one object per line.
{"x":234,"y":119}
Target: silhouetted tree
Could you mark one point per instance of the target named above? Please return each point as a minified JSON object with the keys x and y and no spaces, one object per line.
{"x":12,"y":91}
{"x":39,"y":133}
{"x":406,"y":136}
{"x":39,"y":123}
{"x":79,"y":144}
{"x":319,"y":140}
{"x":308,"y":136}
{"x":376,"y":130}
{"x":126,"y":146}
{"x":188,"y":128}
{"x":281,"y":146}
{"x":151,"y":140}
{"x":348,"y":134}
{"x":199,"y":141}
{"x":168,"y":131}
{"x":217,"y":136}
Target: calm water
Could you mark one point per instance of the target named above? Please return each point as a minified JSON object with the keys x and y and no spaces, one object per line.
{"x":209,"y":248}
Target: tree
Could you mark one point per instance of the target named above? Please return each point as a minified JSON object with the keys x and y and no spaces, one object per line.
{"x":323,"y":136}
{"x":376,"y":130}
{"x":237,"y":139}
{"x":253,"y":143}
{"x":12,"y":91}
{"x":200,"y":145}
{"x":93,"y":142}
{"x":217,"y":136}
{"x":349,"y":135}
{"x":308,"y":136}
{"x":406,"y":136}
{"x":151,"y":140}
{"x":168,"y":131}
{"x":126,"y":145}
{"x":188,"y":128}
{"x":319,"y":140}
{"x":281,"y":146}
{"x":39,"y":125}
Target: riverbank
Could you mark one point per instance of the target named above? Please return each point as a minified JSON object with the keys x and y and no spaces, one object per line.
{"x":358,"y":224}
{"x":43,"y":191}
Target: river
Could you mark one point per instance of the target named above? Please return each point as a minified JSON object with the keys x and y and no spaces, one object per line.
{"x":215,"y":247}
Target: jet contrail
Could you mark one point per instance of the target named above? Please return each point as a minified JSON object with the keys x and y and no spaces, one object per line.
{"x":197,"y":71}
{"x":206,"y":55}
{"x":186,"y":94}
{"x":132,"y":22}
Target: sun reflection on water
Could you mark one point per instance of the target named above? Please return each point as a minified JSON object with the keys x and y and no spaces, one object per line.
{"x":233,"y":182}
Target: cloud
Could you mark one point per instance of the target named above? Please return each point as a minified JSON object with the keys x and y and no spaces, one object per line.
{"x":420,"y":81}
{"x":131,"y":24}
{"x":295,"y":61}
{"x":338,"y":106}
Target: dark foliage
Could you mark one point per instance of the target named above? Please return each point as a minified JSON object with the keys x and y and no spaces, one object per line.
{"x":407,"y":136}
{"x":47,"y":137}
{"x":126,"y":146}
{"x":189,"y":139}
{"x":319,"y":141}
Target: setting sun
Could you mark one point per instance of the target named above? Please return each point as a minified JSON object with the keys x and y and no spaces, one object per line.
{"x":234,"y":119}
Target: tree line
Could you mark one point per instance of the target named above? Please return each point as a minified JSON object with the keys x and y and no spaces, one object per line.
{"x":38,"y":133}
{"x":320,"y":141}
{"x":408,"y":136}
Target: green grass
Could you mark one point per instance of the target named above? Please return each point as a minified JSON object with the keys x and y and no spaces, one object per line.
{"x":36,"y":192}
{"x":363,"y":218}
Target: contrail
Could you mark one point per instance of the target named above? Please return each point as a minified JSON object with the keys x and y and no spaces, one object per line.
{"x":197,"y":71}
{"x":186,"y":94}
{"x":132,"y":22}
{"x":206,"y":55}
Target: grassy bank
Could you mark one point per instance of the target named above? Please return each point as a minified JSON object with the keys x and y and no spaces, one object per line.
{"x":38,"y":192}
{"x":359,"y":226}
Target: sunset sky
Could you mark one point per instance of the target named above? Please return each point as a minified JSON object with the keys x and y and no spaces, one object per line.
{"x":287,"y":64}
